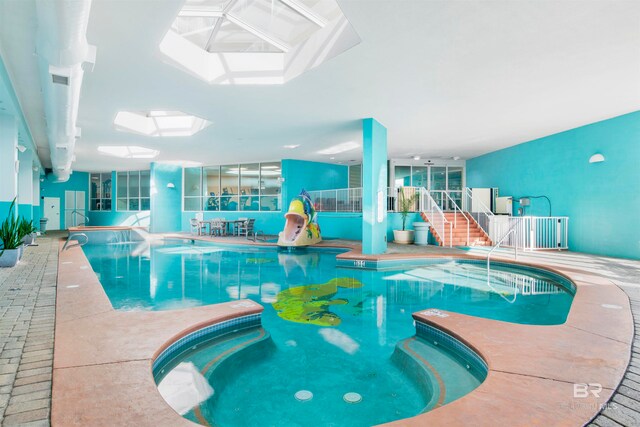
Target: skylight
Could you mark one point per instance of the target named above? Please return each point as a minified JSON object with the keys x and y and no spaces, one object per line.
{"x":159,"y":123}
{"x":256,"y":41}
{"x":128,"y":151}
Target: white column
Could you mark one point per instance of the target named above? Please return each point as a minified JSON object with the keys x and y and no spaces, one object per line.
{"x":8,"y":160}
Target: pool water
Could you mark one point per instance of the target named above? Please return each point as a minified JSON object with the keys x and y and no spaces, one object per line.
{"x":328,"y":330}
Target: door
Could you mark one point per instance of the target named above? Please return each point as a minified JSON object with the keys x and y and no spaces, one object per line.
{"x":52,"y":212}
{"x":74,"y":209}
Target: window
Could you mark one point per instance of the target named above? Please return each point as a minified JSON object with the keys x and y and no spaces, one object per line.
{"x":100,"y":190}
{"x":355,"y":176}
{"x":133,"y":191}
{"x":245,"y":187}
{"x":193,"y":189}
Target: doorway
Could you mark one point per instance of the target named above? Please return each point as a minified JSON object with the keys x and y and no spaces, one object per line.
{"x":52,"y":212}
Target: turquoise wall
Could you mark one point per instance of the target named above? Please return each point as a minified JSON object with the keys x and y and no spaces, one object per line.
{"x":36,"y":216}
{"x":299,"y":174}
{"x":602,"y":200}
{"x":25,"y":211}
{"x":79,"y":181}
{"x":166,"y":203}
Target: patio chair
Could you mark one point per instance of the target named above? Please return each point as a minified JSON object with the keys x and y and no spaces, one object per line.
{"x":246,"y":228}
{"x":239,"y":225}
{"x":218,"y":227}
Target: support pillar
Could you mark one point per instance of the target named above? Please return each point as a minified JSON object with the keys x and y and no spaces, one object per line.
{"x":166,"y":198}
{"x":374,"y":187}
{"x":35,"y":202}
{"x":8,"y":162}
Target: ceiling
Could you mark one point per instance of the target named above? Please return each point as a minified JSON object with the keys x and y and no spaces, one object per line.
{"x":447,"y":78}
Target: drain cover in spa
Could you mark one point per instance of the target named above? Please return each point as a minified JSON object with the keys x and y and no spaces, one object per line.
{"x":352,"y":397}
{"x":303,"y":395}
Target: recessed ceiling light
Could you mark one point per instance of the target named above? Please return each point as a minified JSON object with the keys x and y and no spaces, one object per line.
{"x":416,"y":157}
{"x":183,"y":163}
{"x":456,"y":157}
{"x":331,"y":158}
{"x":292,"y":146}
{"x":128,"y":151}
{"x":340,"y":148}
{"x":159,"y":123}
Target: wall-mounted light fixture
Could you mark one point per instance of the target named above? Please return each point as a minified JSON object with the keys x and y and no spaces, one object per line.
{"x":171,"y":185}
{"x":596,"y":158}
{"x":21,"y":148}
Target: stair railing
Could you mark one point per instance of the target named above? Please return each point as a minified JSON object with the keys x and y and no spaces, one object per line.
{"x":456,"y":210}
{"x":436,"y":217}
{"x":483,"y":216}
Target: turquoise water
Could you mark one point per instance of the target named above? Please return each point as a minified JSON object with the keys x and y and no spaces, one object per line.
{"x":327,"y":330}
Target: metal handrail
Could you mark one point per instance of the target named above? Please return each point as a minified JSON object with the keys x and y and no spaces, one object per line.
{"x":456,"y":208}
{"x":75,"y":235}
{"x":515,"y":294}
{"x":77,"y":212}
{"x":485,"y":210}
{"x":435,"y":210}
{"x":512,"y":230}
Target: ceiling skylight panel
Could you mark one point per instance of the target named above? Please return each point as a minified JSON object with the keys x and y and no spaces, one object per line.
{"x":159,"y":123}
{"x":275,"y":19}
{"x":232,"y":38}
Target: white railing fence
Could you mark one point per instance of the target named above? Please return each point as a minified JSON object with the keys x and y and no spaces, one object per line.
{"x":435,"y":216}
{"x":338,"y":200}
{"x":478,"y":210}
{"x":531,"y":232}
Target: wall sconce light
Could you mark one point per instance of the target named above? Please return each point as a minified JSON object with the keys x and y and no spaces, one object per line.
{"x":171,"y":185}
{"x":21,"y":148}
{"x":596,"y":158}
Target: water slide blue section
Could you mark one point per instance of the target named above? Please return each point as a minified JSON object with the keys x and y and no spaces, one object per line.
{"x":602,"y":200}
{"x":166,"y":203}
{"x":374,"y":187}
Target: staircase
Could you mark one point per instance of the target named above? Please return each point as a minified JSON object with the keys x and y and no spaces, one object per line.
{"x":477,"y":237}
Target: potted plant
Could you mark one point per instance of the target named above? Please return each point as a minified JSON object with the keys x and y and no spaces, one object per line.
{"x":27,"y":231}
{"x":405,"y":203}
{"x":10,"y":238}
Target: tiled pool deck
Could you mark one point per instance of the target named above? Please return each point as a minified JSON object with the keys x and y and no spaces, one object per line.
{"x":27,"y":307}
{"x":102,"y":360}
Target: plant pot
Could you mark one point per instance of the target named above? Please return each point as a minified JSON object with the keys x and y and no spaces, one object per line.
{"x":403,"y":237}
{"x":9,"y":258}
{"x":28,"y":239}
{"x":20,"y":250}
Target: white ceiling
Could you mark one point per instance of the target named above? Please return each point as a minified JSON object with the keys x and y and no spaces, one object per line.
{"x":448,"y":78}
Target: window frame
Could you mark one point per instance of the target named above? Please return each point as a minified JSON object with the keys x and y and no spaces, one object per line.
{"x":205,"y":196}
{"x":101,"y":198}
{"x":128,"y":197}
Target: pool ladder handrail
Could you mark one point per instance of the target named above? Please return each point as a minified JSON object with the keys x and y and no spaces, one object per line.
{"x":515,"y":294}
{"x":75,"y":235}
{"x":86,"y":218}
